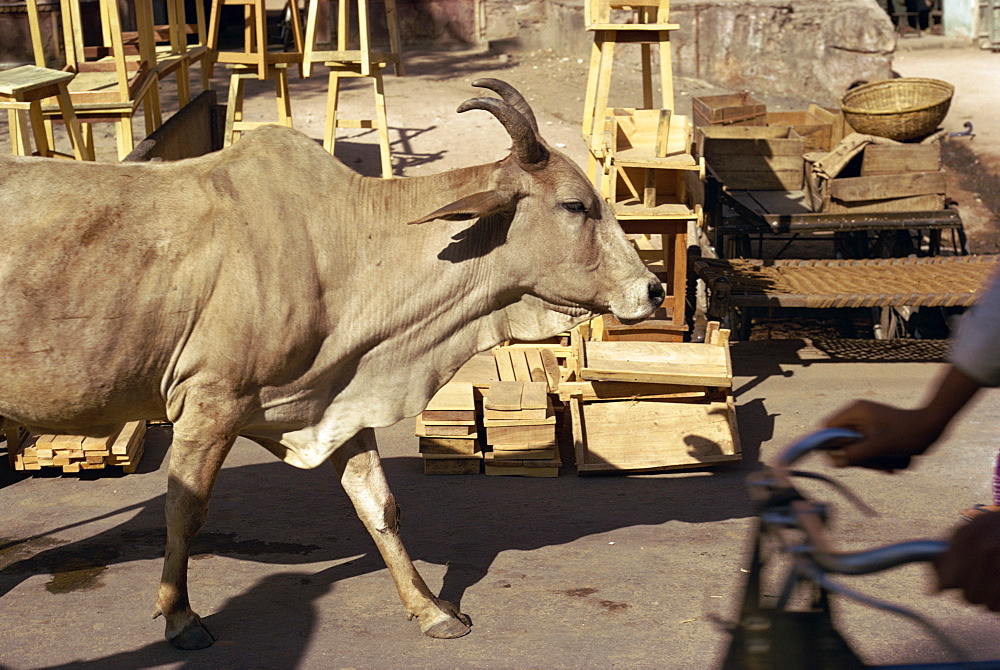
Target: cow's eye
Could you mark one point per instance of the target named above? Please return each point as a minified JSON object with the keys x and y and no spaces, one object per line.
{"x":574,"y":206}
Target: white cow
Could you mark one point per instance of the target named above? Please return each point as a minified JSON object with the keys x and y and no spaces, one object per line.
{"x":268,"y":291}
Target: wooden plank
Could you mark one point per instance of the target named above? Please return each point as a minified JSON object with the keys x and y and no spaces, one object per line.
{"x":453,"y":396}
{"x":504,"y":395}
{"x":535,"y":396}
{"x":535,"y":415}
{"x":516,"y":418}
{"x":784,"y":180}
{"x":520,"y":364}
{"x":445,"y":416}
{"x":898,"y":158}
{"x":446,"y":445}
{"x":917,"y":203}
{"x":505,"y":367}
{"x":452,"y":466}
{"x":431,"y":430}
{"x":673,"y":435}
{"x":883,"y":187}
{"x":598,"y":390}
{"x":536,"y":368}
{"x":499,"y":454}
{"x":684,"y":363}
{"x":530,"y":435}
{"x":551,"y":366}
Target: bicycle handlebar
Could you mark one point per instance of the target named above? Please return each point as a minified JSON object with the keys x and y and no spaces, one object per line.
{"x":808,"y":516}
{"x":834,"y":438}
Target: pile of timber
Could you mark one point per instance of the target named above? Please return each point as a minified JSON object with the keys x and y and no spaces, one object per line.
{"x":520,"y":424}
{"x":74,"y":453}
{"x":647,"y":406}
{"x":448,"y":432}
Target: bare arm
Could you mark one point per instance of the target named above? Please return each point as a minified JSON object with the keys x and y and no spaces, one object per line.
{"x":892,"y":431}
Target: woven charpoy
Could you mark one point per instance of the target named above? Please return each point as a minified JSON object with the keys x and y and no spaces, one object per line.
{"x":946,"y":281}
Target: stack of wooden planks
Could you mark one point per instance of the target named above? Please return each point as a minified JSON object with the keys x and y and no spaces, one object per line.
{"x":643,"y":406}
{"x":448,"y":432}
{"x":74,"y":453}
{"x":520,"y":426}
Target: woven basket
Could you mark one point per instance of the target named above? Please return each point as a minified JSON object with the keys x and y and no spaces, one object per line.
{"x":900,"y":109}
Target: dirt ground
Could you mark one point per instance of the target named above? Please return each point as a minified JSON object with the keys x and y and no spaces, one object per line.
{"x":639,"y":571}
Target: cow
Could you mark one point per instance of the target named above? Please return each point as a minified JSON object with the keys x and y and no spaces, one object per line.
{"x":268,"y":291}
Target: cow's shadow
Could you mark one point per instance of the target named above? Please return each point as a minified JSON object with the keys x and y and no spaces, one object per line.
{"x":274,"y":513}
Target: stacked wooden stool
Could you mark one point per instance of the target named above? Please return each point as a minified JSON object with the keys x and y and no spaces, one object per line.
{"x":640,"y":158}
{"x":257,"y":60}
{"x":363,"y":61}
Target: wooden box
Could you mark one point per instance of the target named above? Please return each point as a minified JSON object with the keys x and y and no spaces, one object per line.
{"x":736,"y":109}
{"x":885,"y":178}
{"x":754,"y":158}
{"x":816,"y":131}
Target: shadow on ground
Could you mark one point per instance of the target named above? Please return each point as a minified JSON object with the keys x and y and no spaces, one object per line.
{"x":275,"y":514}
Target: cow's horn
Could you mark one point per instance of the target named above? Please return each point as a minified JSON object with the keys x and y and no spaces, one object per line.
{"x":511,"y":96}
{"x":527,"y":148}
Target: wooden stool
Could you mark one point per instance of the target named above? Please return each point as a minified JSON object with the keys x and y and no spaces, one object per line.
{"x":361,"y":62}
{"x":651,"y":27}
{"x":255,"y":49}
{"x":21,"y":90}
{"x":235,"y":125}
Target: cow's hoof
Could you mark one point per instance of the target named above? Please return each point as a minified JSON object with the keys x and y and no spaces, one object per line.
{"x":193,"y":636}
{"x":449,"y":628}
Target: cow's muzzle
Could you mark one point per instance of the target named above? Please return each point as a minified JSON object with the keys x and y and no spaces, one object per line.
{"x":640,"y":302}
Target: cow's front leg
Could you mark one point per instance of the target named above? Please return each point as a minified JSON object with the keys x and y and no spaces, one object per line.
{"x":194,"y":465}
{"x":360,"y":470}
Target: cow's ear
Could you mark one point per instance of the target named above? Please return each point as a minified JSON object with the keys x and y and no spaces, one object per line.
{"x":470,"y":207}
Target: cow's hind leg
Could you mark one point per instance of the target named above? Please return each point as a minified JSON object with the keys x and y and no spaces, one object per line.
{"x":194,"y":465}
{"x":361,"y":474}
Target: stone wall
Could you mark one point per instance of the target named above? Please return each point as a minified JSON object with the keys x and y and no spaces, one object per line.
{"x":803,"y":48}
{"x":797,"y":48}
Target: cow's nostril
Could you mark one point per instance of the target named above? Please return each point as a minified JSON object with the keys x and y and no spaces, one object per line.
{"x":656,"y":292}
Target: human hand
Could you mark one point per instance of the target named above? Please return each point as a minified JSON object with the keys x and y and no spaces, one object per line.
{"x":891,"y":435}
{"x":972,"y":562}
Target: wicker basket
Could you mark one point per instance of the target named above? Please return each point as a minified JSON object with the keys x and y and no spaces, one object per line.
{"x":900,"y":109}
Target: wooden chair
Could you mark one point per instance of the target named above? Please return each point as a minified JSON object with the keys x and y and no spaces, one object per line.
{"x":22,"y":90}
{"x":363,"y":61}
{"x":112,"y":79}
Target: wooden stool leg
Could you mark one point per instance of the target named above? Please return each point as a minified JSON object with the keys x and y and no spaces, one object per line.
{"x":83,"y":150}
{"x":123,"y":134}
{"x":38,"y":129}
{"x":381,"y":121}
{"x":20,"y":133}
{"x":392,"y":22}
{"x":332,"y":99}
{"x":234,"y":108}
{"x":312,"y":16}
{"x":666,"y":71}
{"x":284,"y":99}
{"x":184,"y":83}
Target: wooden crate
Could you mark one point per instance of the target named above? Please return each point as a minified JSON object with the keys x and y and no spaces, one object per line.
{"x":754,"y":158}
{"x":816,"y":130}
{"x":884,"y":178}
{"x":678,"y":363}
{"x":643,"y":434}
{"x":880,"y":159}
{"x":734,"y":109}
